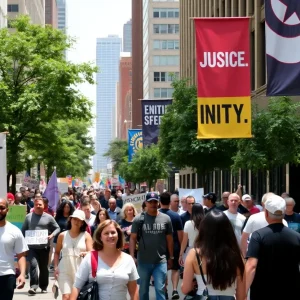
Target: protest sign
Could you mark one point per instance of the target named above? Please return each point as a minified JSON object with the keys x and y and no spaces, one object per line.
{"x":196,"y":193}
{"x":137,"y":200}
{"x":16,"y":215}
{"x":36,"y":237}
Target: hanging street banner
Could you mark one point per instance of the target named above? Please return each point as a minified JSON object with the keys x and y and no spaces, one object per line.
{"x":3,"y":179}
{"x":152,"y":111}
{"x":283,"y":47}
{"x":223,"y":67}
{"x":135,"y":142}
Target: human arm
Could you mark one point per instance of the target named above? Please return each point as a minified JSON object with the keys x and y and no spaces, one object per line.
{"x":239,"y":191}
{"x":54,"y":227}
{"x":88,"y":244}
{"x":74,"y":293}
{"x":170,"y":246}
{"x":240,"y":287}
{"x":25,"y":226}
{"x":59,"y":245}
{"x":244,"y":240}
{"x":188,"y":273}
{"x":180,"y":235}
{"x":22,"y":267}
{"x":133,"y":290}
{"x":250,"y":270}
{"x":132,"y":244}
{"x":183,"y":247}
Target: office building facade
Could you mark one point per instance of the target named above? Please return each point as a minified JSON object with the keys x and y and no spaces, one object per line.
{"x":61,"y":15}
{"x":34,"y":8}
{"x":127,"y":37}
{"x":51,"y":13}
{"x":160,"y":47}
{"x":107,"y":59}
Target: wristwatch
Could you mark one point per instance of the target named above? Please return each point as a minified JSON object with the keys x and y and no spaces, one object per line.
{"x":171,"y":257}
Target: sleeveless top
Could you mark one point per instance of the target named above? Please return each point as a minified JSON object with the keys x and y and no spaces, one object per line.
{"x":70,"y":259}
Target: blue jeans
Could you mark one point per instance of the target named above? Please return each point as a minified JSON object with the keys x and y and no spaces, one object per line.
{"x":159,"y":273}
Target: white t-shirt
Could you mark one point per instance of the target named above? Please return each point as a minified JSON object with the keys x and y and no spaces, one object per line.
{"x":258,"y":221}
{"x":11,"y":242}
{"x":191,"y":231}
{"x":112,"y":282}
{"x":91,"y":220}
{"x":237,"y":221}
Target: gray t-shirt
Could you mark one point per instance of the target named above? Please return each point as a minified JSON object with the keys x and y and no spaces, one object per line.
{"x":40,"y":222}
{"x":153,"y":242}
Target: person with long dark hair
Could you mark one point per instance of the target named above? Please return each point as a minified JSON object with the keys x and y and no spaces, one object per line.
{"x":217,"y":259}
{"x":101,"y":216}
{"x":190,"y":231}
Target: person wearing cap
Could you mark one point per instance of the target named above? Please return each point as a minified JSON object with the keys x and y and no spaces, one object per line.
{"x":10,"y":198}
{"x":255,"y":222}
{"x":209,"y":200}
{"x":72,"y":244}
{"x":248,"y":203}
{"x":38,"y":254}
{"x":273,"y":257}
{"x":155,"y":243}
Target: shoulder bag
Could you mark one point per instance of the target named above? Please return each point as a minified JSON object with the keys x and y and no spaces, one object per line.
{"x":90,"y":290}
{"x":205,"y":295}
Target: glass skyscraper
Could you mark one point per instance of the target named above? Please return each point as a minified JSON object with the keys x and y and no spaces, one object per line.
{"x":61,"y":15}
{"x":127,"y":37}
{"x":108,"y":62}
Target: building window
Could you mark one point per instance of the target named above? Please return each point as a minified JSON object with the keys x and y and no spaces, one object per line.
{"x":156,"y":76}
{"x":13,"y":8}
{"x":163,"y":92}
{"x":165,"y":76}
{"x":166,"y":45}
{"x":166,"y":13}
{"x":166,"y":60}
{"x":166,"y":28}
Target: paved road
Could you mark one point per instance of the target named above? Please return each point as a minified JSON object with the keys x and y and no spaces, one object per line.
{"x":22,"y":294}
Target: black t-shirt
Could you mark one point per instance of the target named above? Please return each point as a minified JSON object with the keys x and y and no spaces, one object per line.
{"x":277,"y":276}
{"x":176,"y":224}
{"x":293,"y":221}
{"x":125,"y":226}
{"x":185,"y":217}
{"x":222,"y":207}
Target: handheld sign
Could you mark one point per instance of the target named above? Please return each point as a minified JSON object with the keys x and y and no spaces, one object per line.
{"x":36,"y":237}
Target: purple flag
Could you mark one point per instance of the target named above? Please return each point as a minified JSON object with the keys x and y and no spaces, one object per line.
{"x":51,"y":192}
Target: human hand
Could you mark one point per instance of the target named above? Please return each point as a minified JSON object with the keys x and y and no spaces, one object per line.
{"x":50,"y":237}
{"x":20,"y":281}
{"x":180,"y":261}
{"x":82,"y":254}
{"x":170,"y":264}
{"x":56,"y":273}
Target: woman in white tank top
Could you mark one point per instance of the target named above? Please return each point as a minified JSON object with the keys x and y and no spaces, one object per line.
{"x":220,"y":258}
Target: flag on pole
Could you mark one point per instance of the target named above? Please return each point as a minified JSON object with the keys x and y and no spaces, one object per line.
{"x":51,"y":192}
{"x":283,"y":47}
{"x":3,"y":171}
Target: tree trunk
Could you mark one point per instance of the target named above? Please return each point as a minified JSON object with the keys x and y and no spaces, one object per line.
{"x":8,"y":178}
{"x":14,"y":180}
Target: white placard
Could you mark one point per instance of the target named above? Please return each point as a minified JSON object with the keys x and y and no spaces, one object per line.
{"x":36,"y":237}
{"x":197,"y":193}
{"x":137,"y":200}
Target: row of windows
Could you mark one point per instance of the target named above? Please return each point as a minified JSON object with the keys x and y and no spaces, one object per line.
{"x":165,"y":0}
{"x":12,"y":7}
{"x":165,"y":76}
{"x":166,"y":60}
{"x":166,"y":44}
{"x":163,"y":92}
{"x":166,"y":13}
{"x":166,"y":28}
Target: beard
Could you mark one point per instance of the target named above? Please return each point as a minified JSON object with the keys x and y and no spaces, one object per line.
{"x":2,"y":217}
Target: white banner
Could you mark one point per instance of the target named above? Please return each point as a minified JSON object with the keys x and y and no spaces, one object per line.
{"x":3,"y":170}
{"x":36,"y":237}
{"x":196,"y":193}
{"x":137,"y":200}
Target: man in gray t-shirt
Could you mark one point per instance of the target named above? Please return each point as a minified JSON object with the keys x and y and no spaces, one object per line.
{"x":154,"y":232}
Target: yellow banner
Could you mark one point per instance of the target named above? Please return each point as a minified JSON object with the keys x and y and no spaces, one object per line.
{"x":226,"y":117}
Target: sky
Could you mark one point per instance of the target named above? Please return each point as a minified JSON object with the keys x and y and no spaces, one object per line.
{"x":88,"y":20}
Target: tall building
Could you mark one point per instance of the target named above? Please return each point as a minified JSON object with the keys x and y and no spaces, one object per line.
{"x":160,"y":47}
{"x":107,"y":59}
{"x":51,"y":13}
{"x":3,"y":13}
{"x":34,"y":8}
{"x":124,"y":93}
{"x":137,"y":62}
{"x":61,"y":15}
{"x":127,"y":37}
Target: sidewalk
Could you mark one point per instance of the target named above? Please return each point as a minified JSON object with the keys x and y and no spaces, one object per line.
{"x":23,"y":293}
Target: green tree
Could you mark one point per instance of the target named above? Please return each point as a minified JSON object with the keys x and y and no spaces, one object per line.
{"x":37,"y":85}
{"x":117,"y":150}
{"x":64,"y":144}
{"x":276,"y":141}
{"x":178,"y":141}
{"x":147,"y":165}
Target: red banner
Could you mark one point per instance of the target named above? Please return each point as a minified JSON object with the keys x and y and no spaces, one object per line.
{"x":223,"y":67}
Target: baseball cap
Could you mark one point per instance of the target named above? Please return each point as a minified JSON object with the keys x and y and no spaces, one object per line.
{"x":275,"y":205}
{"x":79,"y":214}
{"x":211,"y":196}
{"x":10,"y":196}
{"x":152,"y":196}
{"x":246,"y":197}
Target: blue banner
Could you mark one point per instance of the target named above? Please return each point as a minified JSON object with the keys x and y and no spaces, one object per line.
{"x":283,"y":47}
{"x":152,"y":111}
{"x":135,"y":142}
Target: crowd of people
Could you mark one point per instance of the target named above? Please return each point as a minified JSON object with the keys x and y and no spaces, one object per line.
{"x":227,"y":251}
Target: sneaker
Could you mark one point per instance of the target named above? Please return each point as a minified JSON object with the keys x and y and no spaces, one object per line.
{"x":32,"y":291}
{"x":175,"y":295}
{"x":44,"y":291}
{"x":166,"y":295}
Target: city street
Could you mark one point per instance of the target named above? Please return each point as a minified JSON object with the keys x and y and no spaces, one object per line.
{"x":22,"y":294}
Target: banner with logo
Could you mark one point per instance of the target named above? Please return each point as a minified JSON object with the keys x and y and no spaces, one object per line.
{"x":3,"y":179}
{"x":283,"y":47}
{"x":223,"y":67}
{"x":135,"y":142}
{"x":152,"y":111}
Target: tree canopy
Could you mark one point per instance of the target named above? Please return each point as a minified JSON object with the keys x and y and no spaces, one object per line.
{"x":37,"y":85}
